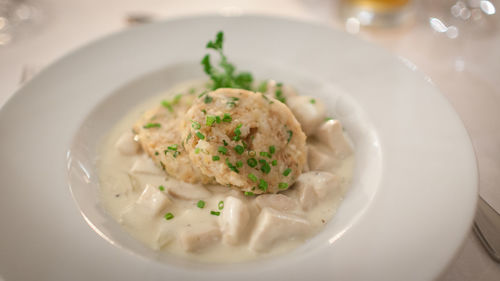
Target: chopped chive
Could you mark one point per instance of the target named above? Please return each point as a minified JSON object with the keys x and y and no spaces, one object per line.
{"x":249,"y":193}
{"x":162,"y":166}
{"x":217,"y":119}
{"x":167,"y":105}
{"x":239,"y":149}
{"x":165,"y":151}
{"x":220,"y":205}
{"x":262,"y":161}
{"x":227,"y":118}
{"x":290,"y":134}
{"x":279,"y":95}
{"x":177,"y":99}
{"x":200,"y":135}
{"x":169,"y":216}
{"x":262,"y":87}
{"x":313,"y":101}
{"x":222,"y":150}
{"x":225,"y":142}
{"x":263,"y":185}
{"x":272,"y":149}
{"x":214,"y":213}
{"x":210,"y":120}
{"x":328,"y":118}
{"x":173,"y":147}
{"x":282,"y":185}
{"x":237,"y":132}
{"x":175,"y":154}
{"x":231,"y":104}
{"x":279,"y":84}
{"x":202,"y":94}
{"x":231,"y":166}
{"x":215,"y":158}
{"x":157,"y":153}
{"x":252,"y":162}
{"x":208,"y":99}
{"x":200,"y":204}
{"x":274,"y":163}
{"x":195,"y":125}
{"x":204,"y":111}
{"x":197,"y":150}
{"x":152,"y":125}
{"x":239,"y":164}
{"x":161,"y":188}
{"x":265,"y":154}
{"x":287,"y":172}
{"x":252,"y":177}
{"x":265,"y":168}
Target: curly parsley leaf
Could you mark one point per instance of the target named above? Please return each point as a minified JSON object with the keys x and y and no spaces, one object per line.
{"x":225,"y":75}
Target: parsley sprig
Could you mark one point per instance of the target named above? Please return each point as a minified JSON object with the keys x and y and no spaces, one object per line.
{"x":225,"y":76}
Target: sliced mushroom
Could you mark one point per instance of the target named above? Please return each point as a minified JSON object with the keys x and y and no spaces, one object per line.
{"x":274,"y":226}
{"x":127,"y":145}
{"x":331,"y":134}
{"x":320,"y":157}
{"x":278,"y":202}
{"x":200,"y":236}
{"x":144,"y":165}
{"x":315,"y":185}
{"x":309,"y":112}
{"x":149,"y":204}
{"x":234,"y":220}
{"x":186,"y":191}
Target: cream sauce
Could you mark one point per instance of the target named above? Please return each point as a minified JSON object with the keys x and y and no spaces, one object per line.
{"x":194,"y":232}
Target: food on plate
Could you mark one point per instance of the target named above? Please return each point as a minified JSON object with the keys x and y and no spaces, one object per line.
{"x":245,"y":140}
{"x":159,"y":132}
{"x":226,"y":171}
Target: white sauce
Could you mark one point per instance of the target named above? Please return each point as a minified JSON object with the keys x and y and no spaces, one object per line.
{"x":125,"y":172}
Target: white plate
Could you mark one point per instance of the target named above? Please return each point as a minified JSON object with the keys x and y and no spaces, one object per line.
{"x":408,"y":210}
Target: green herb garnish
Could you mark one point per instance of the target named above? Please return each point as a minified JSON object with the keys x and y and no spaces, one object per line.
{"x":215,"y":158}
{"x":169,"y":216}
{"x":161,"y":188}
{"x":167,"y":105}
{"x":239,"y":149}
{"x":287,"y":172}
{"x":152,"y":125}
{"x":282,"y":185}
{"x":252,"y":162}
{"x":252,"y":177}
{"x":263,"y":185}
{"x":200,"y":135}
{"x":214,"y":213}
{"x":207,"y":99}
{"x":220,"y":205}
{"x":200,"y":204}
{"x":222,"y":150}
{"x":226,"y":76}
{"x":195,"y":125}
{"x":210,"y":120}
{"x":227,"y":118}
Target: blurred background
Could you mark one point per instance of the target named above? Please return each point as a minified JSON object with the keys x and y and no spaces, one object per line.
{"x":455,"y":43}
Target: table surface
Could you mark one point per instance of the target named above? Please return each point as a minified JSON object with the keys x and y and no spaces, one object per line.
{"x":464,"y":68}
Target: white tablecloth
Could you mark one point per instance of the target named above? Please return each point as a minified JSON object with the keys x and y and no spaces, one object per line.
{"x":466,"y":68}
